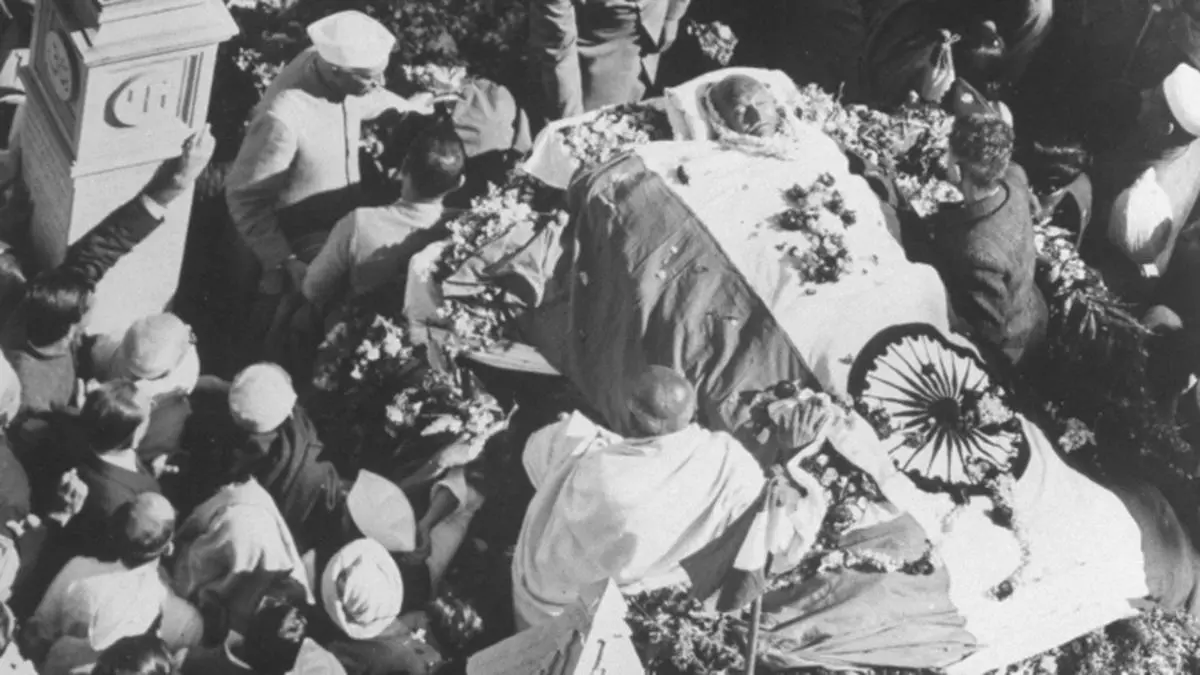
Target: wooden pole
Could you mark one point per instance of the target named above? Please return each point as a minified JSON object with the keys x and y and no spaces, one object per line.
{"x":756,"y":607}
{"x":1155,"y":8}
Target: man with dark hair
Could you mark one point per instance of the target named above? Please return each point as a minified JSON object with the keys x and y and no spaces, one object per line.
{"x":371,"y":246}
{"x":102,"y":601}
{"x":43,"y":336}
{"x":113,"y":419}
{"x":984,"y":248}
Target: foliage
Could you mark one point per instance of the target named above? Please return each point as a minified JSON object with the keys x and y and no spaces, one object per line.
{"x":1153,"y":643}
{"x":910,"y":143}
{"x":1094,"y":372}
{"x":610,"y":132}
{"x":675,"y":636}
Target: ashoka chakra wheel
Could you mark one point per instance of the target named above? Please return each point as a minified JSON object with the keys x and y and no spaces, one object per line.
{"x":949,"y":424}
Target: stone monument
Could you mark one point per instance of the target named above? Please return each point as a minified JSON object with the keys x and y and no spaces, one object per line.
{"x":114,"y":87}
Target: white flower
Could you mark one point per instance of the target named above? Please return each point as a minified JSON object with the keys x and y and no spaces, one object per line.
{"x":1076,"y":436}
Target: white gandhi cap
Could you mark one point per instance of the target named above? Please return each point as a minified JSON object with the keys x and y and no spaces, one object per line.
{"x":1182,"y":90}
{"x":351,"y":39}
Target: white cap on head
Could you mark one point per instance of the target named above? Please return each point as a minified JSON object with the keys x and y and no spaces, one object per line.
{"x":351,"y":39}
{"x":261,"y":398}
{"x":382,"y":512}
{"x":361,"y":589}
{"x":1182,"y":91}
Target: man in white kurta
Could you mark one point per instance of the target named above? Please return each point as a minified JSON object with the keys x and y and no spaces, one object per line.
{"x":631,"y":510}
{"x":229,"y":546}
{"x":297,"y":171}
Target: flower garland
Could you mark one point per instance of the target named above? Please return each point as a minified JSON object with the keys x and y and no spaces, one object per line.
{"x":614,"y":130}
{"x":911,"y":143}
{"x":984,"y":411}
{"x":443,"y":403}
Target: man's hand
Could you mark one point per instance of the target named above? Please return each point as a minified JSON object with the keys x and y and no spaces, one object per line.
{"x":175,"y":176}
{"x":803,"y":420}
{"x":296,"y":271}
{"x":421,"y":550}
{"x":670,"y":33}
{"x":421,"y":103}
{"x":197,"y":153}
{"x":70,"y":496}
{"x":161,"y":466}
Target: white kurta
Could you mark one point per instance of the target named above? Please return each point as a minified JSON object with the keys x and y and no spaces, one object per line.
{"x":301,"y":148}
{"x":235,"y":533}
{"x":629,"y":510}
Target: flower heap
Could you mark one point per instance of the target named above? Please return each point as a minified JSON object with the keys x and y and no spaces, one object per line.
{"x":717,"y":41}
{"x":910,"y":143}
{"x":441,"y":403}
{"x":613,"y":130}
{"x":362,"y":352}
{"x":849,"y":494}
{"x":1076,"y":290}
{"x":820,"y":216}
{"x":436,"y":79}
{"x":674,"y":634}
{"x":477,"y":321}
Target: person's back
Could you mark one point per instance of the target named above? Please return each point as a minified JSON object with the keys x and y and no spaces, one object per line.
{"x":984,"y":249}
{"x":113,"y":420}
{"x":372,"y":246}
{"x":630,"y":510}
{"x":103,"y":601}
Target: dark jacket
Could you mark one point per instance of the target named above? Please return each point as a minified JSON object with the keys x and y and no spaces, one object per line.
{"x":310,"y":493}
{"x":986,"y":256}
{"x":109,"y":487}
{"x":48,"y":373}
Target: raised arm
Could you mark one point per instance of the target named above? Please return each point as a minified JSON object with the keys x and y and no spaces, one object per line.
{"x":96,"y":252}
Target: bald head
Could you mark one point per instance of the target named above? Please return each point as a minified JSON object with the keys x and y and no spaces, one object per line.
{"x":746,"y":105}
{"x":142,"y":529}
{"x":662,"y":402}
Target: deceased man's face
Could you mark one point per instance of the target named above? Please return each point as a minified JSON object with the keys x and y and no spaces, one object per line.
{"x":746,"y":105}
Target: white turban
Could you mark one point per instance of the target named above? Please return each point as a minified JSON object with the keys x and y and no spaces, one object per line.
{"x":361,"y":589}
{"x":351,"y":39}
{"x":1182,"y":90}
{"x":261,"y":397}
{"x":1141,"y":222}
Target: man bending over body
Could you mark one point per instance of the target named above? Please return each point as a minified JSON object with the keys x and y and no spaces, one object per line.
{"x":633,"y":509}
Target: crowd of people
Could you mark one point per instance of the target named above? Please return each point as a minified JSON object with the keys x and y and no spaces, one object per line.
{"x":124,"y":549}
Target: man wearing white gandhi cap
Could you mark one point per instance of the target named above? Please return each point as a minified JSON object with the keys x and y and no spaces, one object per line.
{"x":282,"y":451}
{"x":297,"y":171}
